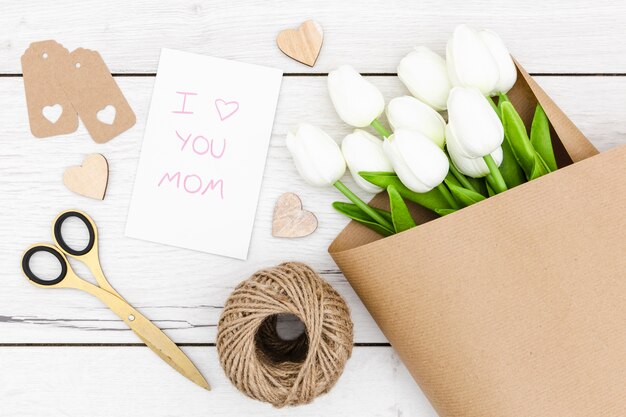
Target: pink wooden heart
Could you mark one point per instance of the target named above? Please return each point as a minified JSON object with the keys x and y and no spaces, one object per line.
{"x":226,"y":108}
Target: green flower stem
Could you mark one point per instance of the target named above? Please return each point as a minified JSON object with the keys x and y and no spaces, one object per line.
{"x":447,"y":195}
{"x":382,"y":130}
{"x":363,"y":206}
{"x":464,"y":182}
{"x":497,"y":182}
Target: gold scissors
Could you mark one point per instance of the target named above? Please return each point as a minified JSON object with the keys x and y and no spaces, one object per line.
{"x":151,"y":335}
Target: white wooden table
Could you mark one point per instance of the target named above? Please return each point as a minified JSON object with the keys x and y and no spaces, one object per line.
{"x":62,"y":353}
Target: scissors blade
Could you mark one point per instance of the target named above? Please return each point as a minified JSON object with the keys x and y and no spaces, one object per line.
{"x":163,"y":346}
{"x":176,"y":358}
{"x":150,"y":334}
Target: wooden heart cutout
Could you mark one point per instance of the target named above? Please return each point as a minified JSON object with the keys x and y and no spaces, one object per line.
{"x":290,"y":220}
{"x":89,"y":179}
{"x":302,"y":44}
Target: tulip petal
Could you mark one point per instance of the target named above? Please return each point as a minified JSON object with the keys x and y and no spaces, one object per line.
{"x":357,"y":101}
{"x":407,"y":112}
{"x":400,"y":215}
{"x":364,"y":152}
{"x":316,"y":155}
{"x":506,"y":67}
{"x":470,"y":63}
{"x":431,"y":200}
{"x":471,"y":167}
{"x":473,"y":122}
{"x":420,"y":164}
{"x":424,"y":73}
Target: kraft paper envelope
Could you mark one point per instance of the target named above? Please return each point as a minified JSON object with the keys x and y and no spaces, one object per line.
{"x":515,"y":306}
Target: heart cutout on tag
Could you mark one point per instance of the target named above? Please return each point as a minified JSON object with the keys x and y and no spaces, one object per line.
{"x":226,"y":108}
{"x":89,"y":179}
{"x":52,"y":113}
{"x":290,"y":220}
{"x":107,"y":114}
{"x":302,"y":44}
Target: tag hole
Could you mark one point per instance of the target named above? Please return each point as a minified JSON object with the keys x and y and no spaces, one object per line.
{"x":131,"y":318}
{"x":44,"y":55}
{"x":78,"y":65}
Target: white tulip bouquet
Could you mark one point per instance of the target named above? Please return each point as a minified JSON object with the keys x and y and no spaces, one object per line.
{"x":483,"y":149}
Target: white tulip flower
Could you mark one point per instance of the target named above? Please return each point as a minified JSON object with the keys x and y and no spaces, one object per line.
{"x":472,"y":167}
{"x":470,"y":62}
{"x":474,"y":124}
{"x":407,"y":112}
{"x":503,"y":59}
{"x":419,"y":163}
{"x":316,"y":155}
{"x":364,"y":152}
{"x":357,"y":101}
{"x":424,"y":73}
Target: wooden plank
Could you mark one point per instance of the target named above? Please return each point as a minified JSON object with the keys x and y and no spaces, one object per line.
{"x":182,"y":290}
{"x":570,"y":38}
{"x":131,"y":381}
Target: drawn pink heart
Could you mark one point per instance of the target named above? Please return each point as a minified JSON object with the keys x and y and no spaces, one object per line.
{"x":226,"y":108}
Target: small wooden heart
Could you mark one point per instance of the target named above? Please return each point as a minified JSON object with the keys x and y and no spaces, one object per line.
{"x":290,"y":220}
{"x":90,"y":179}
{"x":302,"y":44}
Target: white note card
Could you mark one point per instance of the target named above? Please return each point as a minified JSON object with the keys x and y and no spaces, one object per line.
{"x":203,"y":154}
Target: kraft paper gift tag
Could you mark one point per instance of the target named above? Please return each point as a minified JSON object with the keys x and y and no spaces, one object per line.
{"x":50,"y":111}
{"x":95,"y":95}
{"x":514,"y":306}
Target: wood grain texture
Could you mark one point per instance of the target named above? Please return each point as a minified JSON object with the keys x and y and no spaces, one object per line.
{"x":123,"y":381}
{"x":572,"y":36}
{"x":90,"y":178}
{"x":303,"y":43}
{"x":182,"y":290}
{"x":290,"y":219}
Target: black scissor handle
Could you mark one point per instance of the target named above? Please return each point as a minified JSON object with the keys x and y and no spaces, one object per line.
{"x":58,"y":235}
{"x":32,"y":276}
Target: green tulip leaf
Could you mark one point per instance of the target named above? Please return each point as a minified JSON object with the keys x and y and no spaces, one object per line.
{"x":353,"y":212}
{"x":452,"y":178}
{"x":431,"y":200}
{"x":479,"y":185}
{"x":400,"y":215}
{"x":515,"y":133}
{"x":540,"y":138}
{"x":465,"y":196}
{"x":444,"y":212}
{"x":509,"y":168}
{"x":539,"y":169}
{"x":456,"y":177}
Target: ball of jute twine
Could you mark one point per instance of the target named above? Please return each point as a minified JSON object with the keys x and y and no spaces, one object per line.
{"x":284,"y":372}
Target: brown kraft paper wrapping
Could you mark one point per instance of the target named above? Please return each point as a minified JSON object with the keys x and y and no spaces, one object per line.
{"x":515,"y":306}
